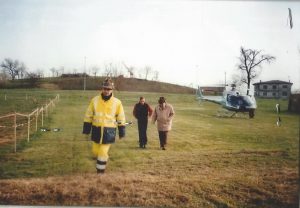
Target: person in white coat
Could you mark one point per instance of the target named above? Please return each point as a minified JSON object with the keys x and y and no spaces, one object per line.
{"x":163,"y":115}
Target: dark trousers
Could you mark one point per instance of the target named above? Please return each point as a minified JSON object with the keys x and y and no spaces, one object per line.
{"x":163,"y":136}
{"x":142,"y":125}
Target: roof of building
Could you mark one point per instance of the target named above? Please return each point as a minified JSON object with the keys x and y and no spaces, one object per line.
{"x":273,"y":82}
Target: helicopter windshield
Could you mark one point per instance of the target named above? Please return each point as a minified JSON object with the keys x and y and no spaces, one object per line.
{"x":239,"y":101}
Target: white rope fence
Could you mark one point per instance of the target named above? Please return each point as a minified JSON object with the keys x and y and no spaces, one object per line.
{"x":34,"y":115}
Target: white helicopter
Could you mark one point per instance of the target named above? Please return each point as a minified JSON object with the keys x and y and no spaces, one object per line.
{"x":232,"y":100}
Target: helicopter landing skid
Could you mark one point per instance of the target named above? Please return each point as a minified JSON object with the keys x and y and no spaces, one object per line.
{"x":223,"y":113}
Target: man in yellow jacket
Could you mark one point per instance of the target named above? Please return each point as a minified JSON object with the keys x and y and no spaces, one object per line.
{"x":104,"y":114}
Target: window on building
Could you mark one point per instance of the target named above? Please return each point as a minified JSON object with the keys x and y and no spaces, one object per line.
{"x":265,"y":87}
{"x":265,"y":94}
{"x":274,"y":87}
{"x":284,"y":94}
{"x":274,"y":94}
{"x":284,"y":86}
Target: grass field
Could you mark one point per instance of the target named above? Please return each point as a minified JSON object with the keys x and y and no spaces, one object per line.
{"x":210,"y":161}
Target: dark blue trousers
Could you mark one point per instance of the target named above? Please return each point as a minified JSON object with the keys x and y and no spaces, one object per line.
{"x":142,"y":125}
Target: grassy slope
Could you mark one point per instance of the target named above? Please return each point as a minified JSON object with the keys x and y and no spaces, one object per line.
{"x":210,"y":161}
{"x":93,"y":83}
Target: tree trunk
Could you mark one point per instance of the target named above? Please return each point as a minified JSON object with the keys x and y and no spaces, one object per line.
{"x":248,"y":85}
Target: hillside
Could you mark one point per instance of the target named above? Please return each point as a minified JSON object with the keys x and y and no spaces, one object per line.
{"x":94,"y":83}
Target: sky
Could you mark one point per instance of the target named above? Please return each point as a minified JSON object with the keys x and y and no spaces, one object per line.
{"x":188,"y":42}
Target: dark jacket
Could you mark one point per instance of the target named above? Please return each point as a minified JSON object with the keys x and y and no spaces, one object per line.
{"x":141,"y":112}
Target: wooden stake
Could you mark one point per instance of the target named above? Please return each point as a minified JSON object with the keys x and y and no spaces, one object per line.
{"x":36,"y":119}
{"x":15,"y":131}
{"x":28,"y":129}
{"x":42,"y":116}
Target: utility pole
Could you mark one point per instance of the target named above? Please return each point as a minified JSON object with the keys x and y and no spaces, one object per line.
{"x":84,"y":79}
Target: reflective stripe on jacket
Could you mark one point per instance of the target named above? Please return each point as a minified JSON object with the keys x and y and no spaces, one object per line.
{"x":102,"y":117}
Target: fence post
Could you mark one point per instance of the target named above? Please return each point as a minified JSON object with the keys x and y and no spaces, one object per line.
{"x":15,"y":131}
{"x":42,"y":116}
{"x":36,"y":119}
{"x":28,"y":128}
{"x":50,"y":107}
{"x":47,"y":110}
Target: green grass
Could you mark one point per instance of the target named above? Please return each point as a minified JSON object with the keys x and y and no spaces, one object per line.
{"x":216,"y":161}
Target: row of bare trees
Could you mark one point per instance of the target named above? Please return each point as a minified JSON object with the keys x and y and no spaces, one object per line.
{"x":116,"y":69}
{"x":15,"y":69}
{"x":250,"y":65}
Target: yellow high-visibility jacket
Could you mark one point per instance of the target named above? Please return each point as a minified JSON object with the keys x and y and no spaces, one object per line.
{"x":103,"y":117}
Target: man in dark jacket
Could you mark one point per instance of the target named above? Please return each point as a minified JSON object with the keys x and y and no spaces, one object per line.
{"x":141,"y":112}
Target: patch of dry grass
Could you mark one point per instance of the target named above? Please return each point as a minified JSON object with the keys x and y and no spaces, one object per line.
{"x":197,"y":184}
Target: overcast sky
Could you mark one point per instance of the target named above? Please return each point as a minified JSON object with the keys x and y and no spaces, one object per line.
{"x":188,"y":42}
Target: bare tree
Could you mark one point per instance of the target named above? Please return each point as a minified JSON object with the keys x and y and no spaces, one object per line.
{"x":107,"y":70}
{"x":115,"y":71}
{"x":250,"y":63}
{"x":53,"y":70}
{"x":140,"y":73}
{"x":147,"y":70}
{"x":155,"y":76}
{"x":60,"y":71}
{"x":74,"y":71}
{"x":39,"y":73}
{"x":13,"y":67}
{"x":95,"y":70}
{"x":57,"y":72}
{"x":22,"y":71}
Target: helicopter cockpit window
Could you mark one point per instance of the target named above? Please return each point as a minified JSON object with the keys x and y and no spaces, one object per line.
{"x":233,"y":100}
{"x":238,"y":100}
